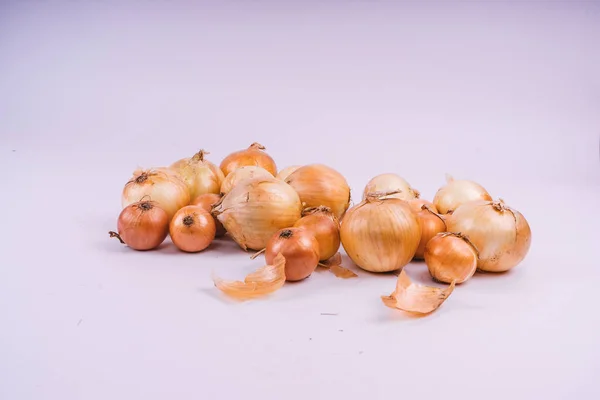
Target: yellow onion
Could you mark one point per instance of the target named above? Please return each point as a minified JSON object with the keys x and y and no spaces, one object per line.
{"x":300,"y":249}
{"x":319,"y":185}
{"x":192,"y":229}
{"x":253,"y":155}
{"x":500,"y":233}
{"x":456,"y":192}
{"x":200,"y":175}
{"x":287,"y":171}
{"x":417,"y":205}
{"x":243,"y":173}
{"x":431,"y":225}
{"x":164,"y":188}
{"x":451,"y":257}
{"x":380,"y":235}
{"x":324,"y":226}
{"x":142,"y":226}
{"x":390,"y":182}
{"x":255,"y":209}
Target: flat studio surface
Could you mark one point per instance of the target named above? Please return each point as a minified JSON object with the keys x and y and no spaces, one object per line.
{"x":505,"y":94}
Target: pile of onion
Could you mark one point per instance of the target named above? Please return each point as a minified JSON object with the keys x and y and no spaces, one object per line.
{"x":390,"y":182}
{"x":200,"y":175}
{"x":501,"y":234}
{"x":254,"y":155}
{"x":319,"y":185}
{"x":456,"y":192}
{"x":142,"y":225}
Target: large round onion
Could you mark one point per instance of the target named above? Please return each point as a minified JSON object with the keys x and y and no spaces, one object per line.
{"x":319,"y":185}
{"x":257,"y":208}
{"x":390,"y":182}
{"x":501,"y":234}
{"x":456,"y":192}
{"x":253,"y":155}
{"x":200,"y":175}
{"x":242,"y":174}
{"x":164,"y":188}
{"x":380,"y":235}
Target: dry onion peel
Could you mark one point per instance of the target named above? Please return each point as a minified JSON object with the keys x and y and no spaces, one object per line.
{"x":391,"y":182}
{"x":264,"y":281}
{"x":415,"y":298}
{"x":334,"y":265}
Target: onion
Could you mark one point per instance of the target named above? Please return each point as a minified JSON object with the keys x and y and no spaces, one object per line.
{"x":200,"y":175}
{"x":457,"y":192}
{"x":142,"y":225}
{"x":165,"y":188}
{"x":451,"y":257}
{"x":324,"y":226}
{"x":319,"y":185}
{"x":253,"y":155}
{"x":287,"y":171}
{"x":391,"y":183}
{"x":300,"y":249}
{"x":417,"y":205}
{"x":206,"y":201}
{"x":431,"y":225}
{"x":192,"y":229}
{"x":241,"y":174}
{"x":254,"y":210}
{"x":501,"y":234}
{"x":380,"y":235}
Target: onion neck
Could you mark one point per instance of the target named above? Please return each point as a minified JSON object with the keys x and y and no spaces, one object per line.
{"x":116,"y":235}
{"x":257,"y":146}
{"x":286,"y":234}
{"x":188,"y":220}
{"x":375,"y":196}
{"x":199,"y":156}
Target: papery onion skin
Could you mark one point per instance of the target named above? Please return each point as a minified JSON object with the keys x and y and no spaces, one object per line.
{"x":431,"y":225}
{"x":320,"y":185}
{"x":300,"y":249}
{"x":253,"y":155}
{"x":243,"y":173}
{"x":254,"y":210}
{"x":206,"y":201}
{"x":165,"y":188}
{"x":451,"y":257}
{"x":501,"y":234}
{"x":287,"y":171}
{"x":389,"y":182}
{"x":456,"y":192}
{"x":380,"y":235}
{"x":200,"y":175}
{"x":324,"y":226}
{"x":142,"y":225}
{"x":192,"y":229}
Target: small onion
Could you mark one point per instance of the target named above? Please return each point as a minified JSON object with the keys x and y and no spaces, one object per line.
{"x":456,"y":192}
{"x":380,"y":235}
{"x":241,"y":174}
{"x":253,"y":155}
{"x":192,"y":229}
{"x":300,"y":249}
{"x":255,"y":209}
{"x":500,"y":233}
{"x":287,"y":171}
{"x":451,"y":257}
{"x":200,"y":175}
{"x":417,"y":205}
{"x":431,"y":225}
{"x":165,"y":188}
{"x":320,"y":185}
{"x":324,"y":226}
{"x":142,"y":225}
{"x":206,"y":201}
{"x":390,"y":182}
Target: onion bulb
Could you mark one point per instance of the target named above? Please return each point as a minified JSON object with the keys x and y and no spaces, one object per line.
{"x":451,"y":257}
{"x":431,"y":225}
{"x":320,"y":185}
{"x":324,"y":226}
{"x":300,"y":249}
{"x":206,"y":201}
{"x":391,"y":183}
{"x":200,"y":175}
{"x":165,"y":188}
{"x":253,"y":155}
{"x":380,"y":235}
{"x":456,"y":192}
{"x":254,"y":210}
{"x":417,"y":205}
{"x":501,"y":234}
{"x":142,"y":225}
{"x":241,"y":174}
{"x":287,"y":171}
{"x":192,"y":229}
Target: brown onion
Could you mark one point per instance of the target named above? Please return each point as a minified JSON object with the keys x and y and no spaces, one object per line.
{"x":206,"y":201}
{"x":142,"y":225}
{"x":417,"y":205}
{"x":324,"y":226}
{"x":192,"y":229}
{"x":451,"y":257}
{"x":253,"y":155}
{"x":431,"y":225}
{"x":300,"y":249}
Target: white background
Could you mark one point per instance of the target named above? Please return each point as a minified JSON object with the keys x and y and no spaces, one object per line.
{"x":506,"y":94}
